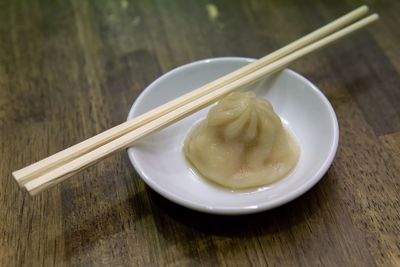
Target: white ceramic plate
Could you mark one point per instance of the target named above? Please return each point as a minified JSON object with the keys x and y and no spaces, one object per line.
{"x":302,"y":107}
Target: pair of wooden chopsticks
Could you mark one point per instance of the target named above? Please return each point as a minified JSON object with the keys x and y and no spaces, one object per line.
{"x":56,"y":168}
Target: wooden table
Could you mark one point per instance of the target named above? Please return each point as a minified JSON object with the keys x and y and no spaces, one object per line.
{"x":70,"y":69}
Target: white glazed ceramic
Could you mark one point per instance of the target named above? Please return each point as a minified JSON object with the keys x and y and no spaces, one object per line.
{"x":302,"y":107}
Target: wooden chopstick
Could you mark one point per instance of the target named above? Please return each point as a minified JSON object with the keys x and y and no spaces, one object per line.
{"x":62,"y":172}
{"x":39,"y":168}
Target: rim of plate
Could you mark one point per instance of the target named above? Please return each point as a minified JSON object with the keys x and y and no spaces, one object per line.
{"x":270,"y":204}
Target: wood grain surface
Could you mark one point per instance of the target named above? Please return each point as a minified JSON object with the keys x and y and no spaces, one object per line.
{"x":70,"y":69}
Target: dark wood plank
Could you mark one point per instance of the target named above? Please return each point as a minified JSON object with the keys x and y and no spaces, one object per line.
{"x":70,"y":69}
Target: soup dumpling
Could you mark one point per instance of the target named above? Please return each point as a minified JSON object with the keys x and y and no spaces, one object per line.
{"x":242,"y":143}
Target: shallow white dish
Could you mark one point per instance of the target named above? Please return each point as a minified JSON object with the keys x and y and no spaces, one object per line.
{"x":302,"y":107}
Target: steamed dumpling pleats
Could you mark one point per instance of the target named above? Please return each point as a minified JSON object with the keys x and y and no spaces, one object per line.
{"x":242,"y":144}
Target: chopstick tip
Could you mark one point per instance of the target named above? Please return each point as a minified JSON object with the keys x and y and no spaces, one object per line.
{"x":364,"y":7}
{"x":375,"y":16}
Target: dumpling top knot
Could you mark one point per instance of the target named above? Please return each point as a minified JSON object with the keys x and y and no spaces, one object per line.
{"x":243,"y":116}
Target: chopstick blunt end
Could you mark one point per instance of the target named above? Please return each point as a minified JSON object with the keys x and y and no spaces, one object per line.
{"x":22,"y":177}
{"x":32,"y":192}
{"x":17,"y":177}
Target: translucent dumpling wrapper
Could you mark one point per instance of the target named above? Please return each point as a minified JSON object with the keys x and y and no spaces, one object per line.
{"x":242,"y":144}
